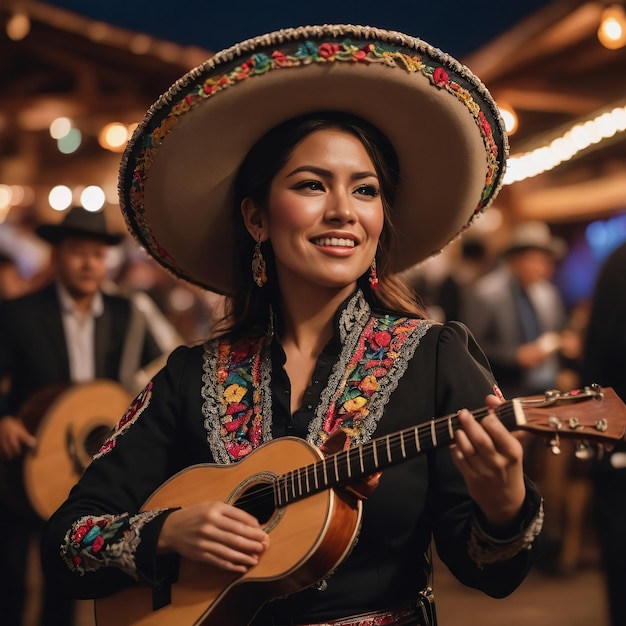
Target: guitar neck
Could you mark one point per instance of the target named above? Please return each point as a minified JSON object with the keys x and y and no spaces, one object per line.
{"x":375,"y":455}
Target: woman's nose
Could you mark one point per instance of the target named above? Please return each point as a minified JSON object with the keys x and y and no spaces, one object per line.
{"x":339,"y":207}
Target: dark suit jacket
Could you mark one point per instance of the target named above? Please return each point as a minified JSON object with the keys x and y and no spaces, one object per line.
{"x":33,"y":351}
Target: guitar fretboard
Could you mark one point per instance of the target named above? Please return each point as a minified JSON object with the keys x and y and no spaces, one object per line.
{"x":373,"y":456}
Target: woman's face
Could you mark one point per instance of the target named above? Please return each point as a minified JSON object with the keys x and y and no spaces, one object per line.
{"x":325,"y":213}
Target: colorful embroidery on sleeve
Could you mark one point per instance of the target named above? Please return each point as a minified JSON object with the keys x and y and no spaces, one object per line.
{"x":133,"y":412}
{"x":97,"y":541}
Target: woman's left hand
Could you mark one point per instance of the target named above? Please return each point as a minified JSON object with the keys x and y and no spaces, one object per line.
{"x":490,"y":459}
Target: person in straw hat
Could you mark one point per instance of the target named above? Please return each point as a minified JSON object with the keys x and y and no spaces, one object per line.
{"x":517,"y":314}
{"x":297,"y":173}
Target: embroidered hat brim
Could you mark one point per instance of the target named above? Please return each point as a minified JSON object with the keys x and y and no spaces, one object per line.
{"x":178,"y":170}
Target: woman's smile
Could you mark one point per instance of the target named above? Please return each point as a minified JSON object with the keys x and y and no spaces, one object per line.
{"x":334,"y":242}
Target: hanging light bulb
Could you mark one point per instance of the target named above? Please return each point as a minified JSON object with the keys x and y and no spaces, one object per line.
{"x":612,"y":29}
{"x":18,"y":26}
{"x":509,"y":117}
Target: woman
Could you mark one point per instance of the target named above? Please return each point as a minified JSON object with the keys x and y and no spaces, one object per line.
{"x":321,"y":341}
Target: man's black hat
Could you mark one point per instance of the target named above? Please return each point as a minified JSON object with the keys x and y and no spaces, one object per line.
{"x":78,"y":222}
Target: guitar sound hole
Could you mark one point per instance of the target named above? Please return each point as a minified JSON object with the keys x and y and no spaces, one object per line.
{"x":258,"y":500}
{"x":95,"y":438}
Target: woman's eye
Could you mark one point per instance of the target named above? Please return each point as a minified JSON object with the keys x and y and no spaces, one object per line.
{"x":313,"y":185}
{"x":368,"y":190}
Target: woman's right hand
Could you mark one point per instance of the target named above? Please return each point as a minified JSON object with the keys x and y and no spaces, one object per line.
{"x":214,"y":533}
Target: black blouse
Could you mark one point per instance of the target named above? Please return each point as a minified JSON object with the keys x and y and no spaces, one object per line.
{"x":169,"y":429}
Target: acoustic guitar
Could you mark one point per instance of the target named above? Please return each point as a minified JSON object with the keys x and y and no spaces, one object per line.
{"x":291,"y":488}
{"x":70,"y":423}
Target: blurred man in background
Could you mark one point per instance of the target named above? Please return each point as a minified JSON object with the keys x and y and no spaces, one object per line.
{"x":68,"y":332}
{"x":516,"y":312}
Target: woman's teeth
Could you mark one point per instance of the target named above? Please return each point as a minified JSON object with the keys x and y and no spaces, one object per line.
{"x":335,"y":241}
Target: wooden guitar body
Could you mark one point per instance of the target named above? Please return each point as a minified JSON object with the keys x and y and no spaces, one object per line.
{"x":308,"y":539}
{"x":70,"y":422}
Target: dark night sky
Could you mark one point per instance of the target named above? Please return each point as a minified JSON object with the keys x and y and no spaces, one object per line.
{"x":456,"y":26}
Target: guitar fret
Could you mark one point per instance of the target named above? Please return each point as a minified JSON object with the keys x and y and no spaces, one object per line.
{"x":325,"y":472}
{"x":418,"y":447}
{"x":276,"y":488}
{"x":299,"y":483}
{"x":389,"y":457}
{"x":375,"y":451}
{"x":306,"y":479}
{"x":433,"y":433}
{"x":348,"y":462}
{"x":286,"y":491}
{"x":402,"y":444}
{"x":450,"y":428}
{"x":336,"y":468}
{"x":361,"y":460}
{"x":317,"y":486}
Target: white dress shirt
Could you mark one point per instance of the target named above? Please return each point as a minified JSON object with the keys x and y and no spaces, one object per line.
{"x":80,"y":335}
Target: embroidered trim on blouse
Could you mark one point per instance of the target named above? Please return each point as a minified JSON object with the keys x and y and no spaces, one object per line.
{"x":485,"y":550}
{"x":237,"y":397}
{"x":237,"y":382}
{"x":98,"y":541}
{"x":137,"y":407}
{"x":376,"y":352}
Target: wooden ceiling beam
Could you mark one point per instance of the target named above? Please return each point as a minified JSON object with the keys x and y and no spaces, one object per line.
{"x":549,"y":100}
{"x":559,"y":25}
{"x":590,"y":199}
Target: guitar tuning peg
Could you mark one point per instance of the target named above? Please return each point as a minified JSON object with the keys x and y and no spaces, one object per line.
{"x":602,"y":425}
{"x":584,"y":451}
{"x":555,"y":445}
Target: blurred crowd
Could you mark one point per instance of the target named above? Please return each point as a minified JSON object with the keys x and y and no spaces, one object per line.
{"x":25,"y":265}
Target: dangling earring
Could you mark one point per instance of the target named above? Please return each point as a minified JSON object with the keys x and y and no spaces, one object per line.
{"x":373,"y":277}
{"x":259,"y":269}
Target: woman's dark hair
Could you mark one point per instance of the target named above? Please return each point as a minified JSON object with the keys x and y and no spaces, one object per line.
{"x":250,"y":306}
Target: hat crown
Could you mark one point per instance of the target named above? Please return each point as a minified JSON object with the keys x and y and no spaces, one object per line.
{"x":81,"y":223}
{"x":80,"y":219}
{"x":536,"y":235}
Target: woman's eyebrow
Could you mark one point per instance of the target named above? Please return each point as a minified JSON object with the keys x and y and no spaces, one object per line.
{"x":324,"y":173}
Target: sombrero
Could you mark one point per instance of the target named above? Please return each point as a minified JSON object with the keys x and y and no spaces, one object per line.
{"x":178,"y":169}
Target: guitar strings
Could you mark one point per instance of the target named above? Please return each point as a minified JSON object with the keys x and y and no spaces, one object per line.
{"x":289,"y":486}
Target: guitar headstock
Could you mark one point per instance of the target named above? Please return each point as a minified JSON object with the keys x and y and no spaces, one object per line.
{"x":594,"y":414}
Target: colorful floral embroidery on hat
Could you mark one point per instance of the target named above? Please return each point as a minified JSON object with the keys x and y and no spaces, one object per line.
{"x":133,"y":412}
{"x":307,"y":52}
